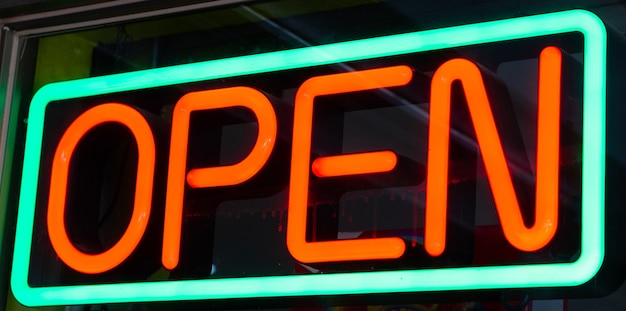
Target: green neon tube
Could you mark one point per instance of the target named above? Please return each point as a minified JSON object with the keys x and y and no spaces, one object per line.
{"x":465,"y":278}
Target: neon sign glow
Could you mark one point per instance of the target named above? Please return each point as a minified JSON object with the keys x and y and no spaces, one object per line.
{"x":499,"y":178}
{"x":463,"y":278}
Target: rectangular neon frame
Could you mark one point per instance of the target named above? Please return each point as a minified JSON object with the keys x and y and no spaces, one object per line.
{"x":443,"y":279}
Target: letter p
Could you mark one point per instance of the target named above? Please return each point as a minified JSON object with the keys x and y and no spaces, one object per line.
{"x":205,"y":177}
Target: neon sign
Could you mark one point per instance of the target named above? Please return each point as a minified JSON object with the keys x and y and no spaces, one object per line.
{"x":499,"y":179}
{"x":181,"y":177}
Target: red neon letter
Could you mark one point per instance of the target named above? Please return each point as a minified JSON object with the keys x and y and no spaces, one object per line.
{"x":546,"y":205}
{"x":88,"y":263}
{"x":210,"y":176}
{"x":382,"y":161}
{"x":353,"y":164}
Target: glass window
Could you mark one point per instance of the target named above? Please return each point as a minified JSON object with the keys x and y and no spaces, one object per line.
{"x":240,"y":228}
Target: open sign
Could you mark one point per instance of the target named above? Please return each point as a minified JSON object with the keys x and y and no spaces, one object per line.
{"x":54,"y":135}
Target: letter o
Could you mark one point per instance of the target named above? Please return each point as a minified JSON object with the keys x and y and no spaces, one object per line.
{"x":109,"y":259}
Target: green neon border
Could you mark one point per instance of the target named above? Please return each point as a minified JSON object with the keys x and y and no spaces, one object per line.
{"x":514,"y":276}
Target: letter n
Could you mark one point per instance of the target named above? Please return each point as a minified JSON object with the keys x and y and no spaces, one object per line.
{"x":507,"y":205}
